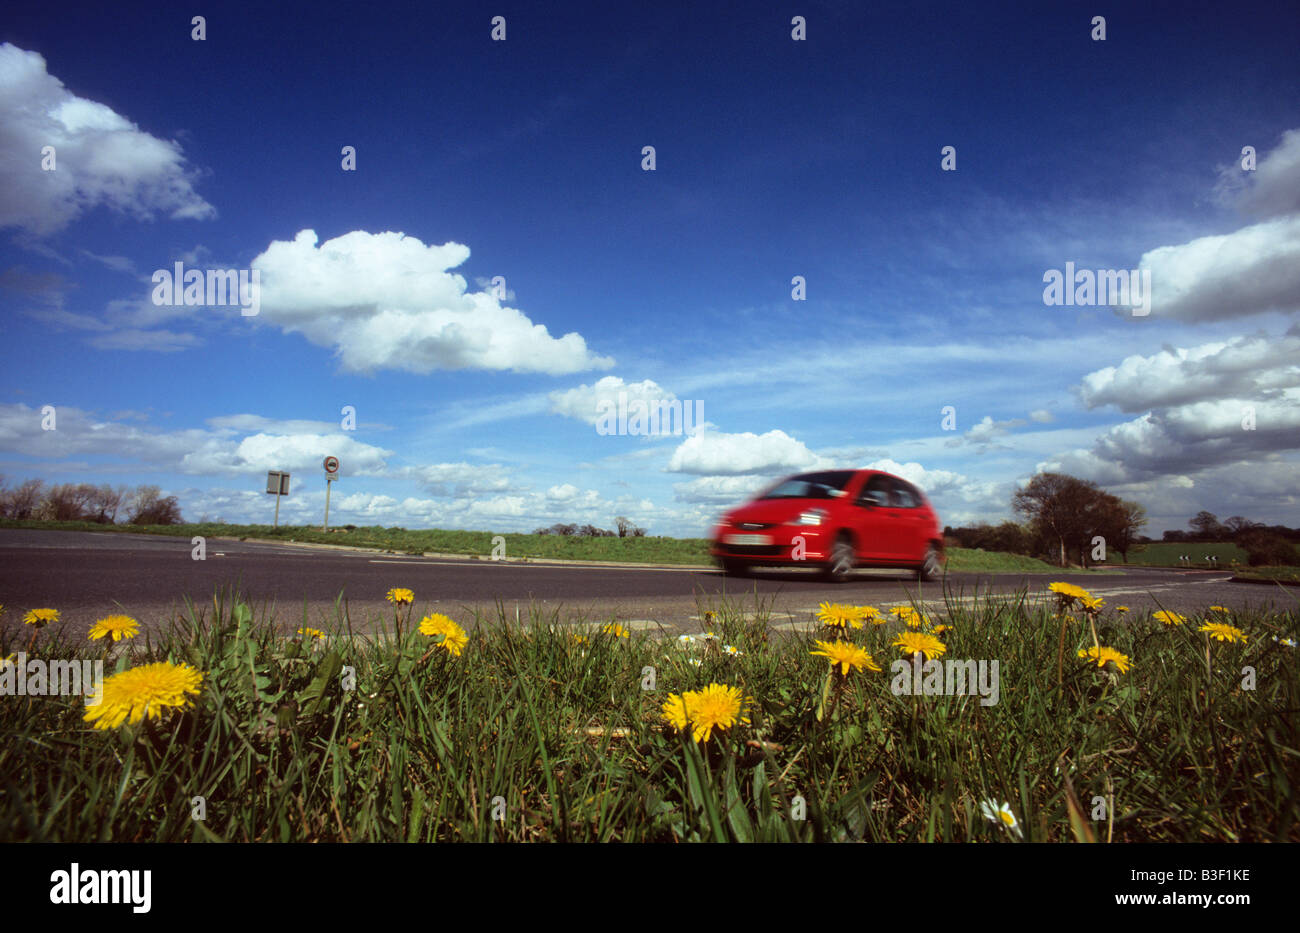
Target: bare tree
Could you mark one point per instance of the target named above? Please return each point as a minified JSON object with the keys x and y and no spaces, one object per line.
{"x":23,"y":501}
{"x":1206,"y":525}
{"x":66,"y":502}
{"x":150,"y":507}
{"x":104,"y":504}
{"x":1119,"y":521}
{"x":1058,"y":507}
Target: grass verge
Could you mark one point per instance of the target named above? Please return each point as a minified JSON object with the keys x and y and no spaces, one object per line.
{"x":557,"y":733}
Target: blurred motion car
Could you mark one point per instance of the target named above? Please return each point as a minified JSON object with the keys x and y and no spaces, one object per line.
{"x":836,"y":520}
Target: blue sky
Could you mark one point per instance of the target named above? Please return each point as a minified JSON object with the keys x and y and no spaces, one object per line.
{"x":774,"y":158}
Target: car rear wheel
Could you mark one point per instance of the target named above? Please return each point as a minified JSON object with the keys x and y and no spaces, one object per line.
{"x":842,"y":559}
{"x":931,"y":566}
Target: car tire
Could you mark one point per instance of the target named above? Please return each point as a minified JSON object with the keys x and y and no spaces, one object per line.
{"x":840,"y":566}
{"x":735,"y":568}
{"x":931,"y":567}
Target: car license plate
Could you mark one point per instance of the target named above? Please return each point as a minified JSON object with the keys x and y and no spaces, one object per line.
{"x":747,"y":540}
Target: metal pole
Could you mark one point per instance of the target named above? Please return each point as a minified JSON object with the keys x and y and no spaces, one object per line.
{"x":329,"y":482}
{"x":277,"y":510}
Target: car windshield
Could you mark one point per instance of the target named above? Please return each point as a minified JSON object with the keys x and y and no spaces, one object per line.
{"x":827,"y":485}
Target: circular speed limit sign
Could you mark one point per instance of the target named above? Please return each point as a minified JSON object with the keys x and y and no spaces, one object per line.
{"x":331,"y":465}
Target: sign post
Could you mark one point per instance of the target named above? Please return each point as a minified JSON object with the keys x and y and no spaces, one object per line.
{"x":331,"y":474}
{"x":277,"y":484}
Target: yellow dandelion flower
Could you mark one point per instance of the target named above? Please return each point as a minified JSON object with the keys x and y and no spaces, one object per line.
{"x":311,"y":632}
{"x":715,"y":707}
{"x":872,"y":614}
{"x":1223,"y":609}
{"x":454,"y":638}
{"x":147,"y":691}
{"x":1221,"y":631}
{"x":913,"y":642}
{"x":940,"y":629}
{"x":400,"y":597}
{"x":846,"y":655}
{"x":616,"y":630}
{"x":116,"y":627}
{"x":1067,"y":593}
{"x":1093,"y":603}
{"x":838,"y":615}
{"x":674,"y":710}
{"x":1168,"y":618}
{"x":1121,"y":608}
{"x":40,"y":617}
{"x":1101,"y":655}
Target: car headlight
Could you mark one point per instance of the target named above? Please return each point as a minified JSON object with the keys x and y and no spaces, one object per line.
{"x":812,"y":517}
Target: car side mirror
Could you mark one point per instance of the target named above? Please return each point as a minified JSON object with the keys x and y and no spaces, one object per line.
{"x":868,"y":502}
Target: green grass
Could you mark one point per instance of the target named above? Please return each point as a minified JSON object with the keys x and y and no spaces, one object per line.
{"x":558,"y":738}
{"x":980,"y":561}
{"x":1166,"y":554}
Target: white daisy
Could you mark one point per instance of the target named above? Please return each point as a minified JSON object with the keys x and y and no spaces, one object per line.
{"x":1000,"y":814}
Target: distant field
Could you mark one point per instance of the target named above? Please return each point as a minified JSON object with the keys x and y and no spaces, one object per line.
{"x":434,"y":541}
{"x":1166,"y":554}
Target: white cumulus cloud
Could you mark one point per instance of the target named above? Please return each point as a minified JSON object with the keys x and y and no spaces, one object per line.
{"x":101,"y":157}
{"x":388,"y":301}
{"x":581,"y":402}
{"x":715,"y":453}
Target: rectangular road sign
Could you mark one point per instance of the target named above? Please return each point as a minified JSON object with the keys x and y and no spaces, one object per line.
{"x":277,"y":483}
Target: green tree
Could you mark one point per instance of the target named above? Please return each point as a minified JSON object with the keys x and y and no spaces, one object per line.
{"x":1059,"y":509}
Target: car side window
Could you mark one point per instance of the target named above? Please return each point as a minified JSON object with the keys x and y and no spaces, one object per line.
{"x":906,"y":496}
{"x":878,"y":488}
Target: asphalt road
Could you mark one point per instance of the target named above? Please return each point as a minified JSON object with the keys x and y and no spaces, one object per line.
{"x":87,"y":575}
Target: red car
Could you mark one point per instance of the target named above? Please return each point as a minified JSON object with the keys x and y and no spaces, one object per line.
{"x":838,"y":519}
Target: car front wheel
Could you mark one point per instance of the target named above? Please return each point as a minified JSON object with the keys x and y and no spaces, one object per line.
{"x":931,"y":566}
{"x":735,"y":568}
{"x":842,"y":559}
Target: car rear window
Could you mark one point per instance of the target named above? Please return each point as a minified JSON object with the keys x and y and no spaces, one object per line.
{"x":826,"y":485}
